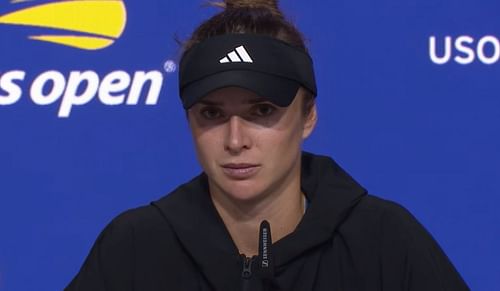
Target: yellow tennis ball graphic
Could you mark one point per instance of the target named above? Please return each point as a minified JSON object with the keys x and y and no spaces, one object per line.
{"x":86,"y":24}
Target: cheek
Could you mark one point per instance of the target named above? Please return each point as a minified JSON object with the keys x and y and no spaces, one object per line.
{"x":206,"y":145}
{"x":290,"y":135}
{"x":281,"y":144}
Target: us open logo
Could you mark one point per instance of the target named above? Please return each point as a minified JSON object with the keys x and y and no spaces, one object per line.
{"x":84,"y":25}
{"x":464,"y":49}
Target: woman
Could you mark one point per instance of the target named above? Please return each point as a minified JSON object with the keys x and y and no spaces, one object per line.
{"x":262,"y":215}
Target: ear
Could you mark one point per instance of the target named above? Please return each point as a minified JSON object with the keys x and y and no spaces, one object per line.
{"x":310,"y":122}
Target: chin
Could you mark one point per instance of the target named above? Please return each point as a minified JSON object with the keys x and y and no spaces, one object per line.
{"x":244,"y":191}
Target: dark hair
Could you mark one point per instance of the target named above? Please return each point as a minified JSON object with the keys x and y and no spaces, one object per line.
{"x":251,"y":16}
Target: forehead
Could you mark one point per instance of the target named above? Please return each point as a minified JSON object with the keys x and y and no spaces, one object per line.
{"x":232,"y":96}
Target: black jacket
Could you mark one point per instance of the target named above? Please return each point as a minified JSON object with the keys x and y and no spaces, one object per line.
{"x":347,"y":240}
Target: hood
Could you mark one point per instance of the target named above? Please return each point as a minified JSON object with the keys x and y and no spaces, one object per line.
{"x":331,"y":193}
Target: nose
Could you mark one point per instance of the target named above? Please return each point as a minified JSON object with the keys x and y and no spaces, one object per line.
{"x":237,"y":138}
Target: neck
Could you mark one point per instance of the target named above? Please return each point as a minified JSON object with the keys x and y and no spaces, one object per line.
{"x":283,"y":209}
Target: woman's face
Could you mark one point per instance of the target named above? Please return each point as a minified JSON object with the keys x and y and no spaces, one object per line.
{"x":247,"y":146}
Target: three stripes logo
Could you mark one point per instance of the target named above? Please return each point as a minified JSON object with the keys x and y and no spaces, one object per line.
{"x":237,"y":55}
{"x":83,"y":24}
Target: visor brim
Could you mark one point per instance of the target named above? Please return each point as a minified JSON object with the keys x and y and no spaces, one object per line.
{"x":278,"y":90}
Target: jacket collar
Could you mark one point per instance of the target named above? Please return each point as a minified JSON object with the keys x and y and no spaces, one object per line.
{"x":331,"y":192}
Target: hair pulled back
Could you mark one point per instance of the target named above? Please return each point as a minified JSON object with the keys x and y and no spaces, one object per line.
{"x":271,"y":5}
{"x":251,"y":16}
{"x":248,"y":16}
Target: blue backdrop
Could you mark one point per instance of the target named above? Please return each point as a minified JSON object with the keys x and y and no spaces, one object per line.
{"x":91,"y":124}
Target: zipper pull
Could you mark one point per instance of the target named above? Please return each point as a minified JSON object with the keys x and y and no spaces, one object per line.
{"x":246,"y":274}
{"x":247,"y":268}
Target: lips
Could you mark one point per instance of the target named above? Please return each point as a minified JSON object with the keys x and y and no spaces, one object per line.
{"x":240,"y":170}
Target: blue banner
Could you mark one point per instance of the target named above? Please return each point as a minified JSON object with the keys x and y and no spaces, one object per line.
{"x":91,"y":123}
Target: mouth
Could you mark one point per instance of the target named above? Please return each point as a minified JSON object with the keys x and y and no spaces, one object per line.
{"x":240,"y":171}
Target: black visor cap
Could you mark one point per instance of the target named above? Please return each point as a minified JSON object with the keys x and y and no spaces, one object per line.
{"x":267,"y":66}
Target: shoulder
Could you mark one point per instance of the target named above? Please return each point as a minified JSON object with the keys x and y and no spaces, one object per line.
{"x":136,"y":237}
{"x":393,"y":238}
{"x":131,"y":226}
{"x":386,"y":227}
{"x":133,"y":218}
{"x":373,"y":205}
{"x":382,"y":215}
{"x":152,"y":221}
{"x":138,"y":243}
{"x":139,"y":216}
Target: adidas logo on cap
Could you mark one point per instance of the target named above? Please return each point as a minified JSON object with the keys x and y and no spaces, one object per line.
{"x":237,"y":55}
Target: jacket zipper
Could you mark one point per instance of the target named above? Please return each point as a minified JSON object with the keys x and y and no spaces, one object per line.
{"x":246,"y":274}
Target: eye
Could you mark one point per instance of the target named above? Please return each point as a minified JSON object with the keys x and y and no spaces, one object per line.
{"x":263,"y":109}
{"x":211,"y":113}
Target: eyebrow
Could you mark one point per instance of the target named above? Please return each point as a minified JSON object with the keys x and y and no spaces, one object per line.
{"x":251,"y":101}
